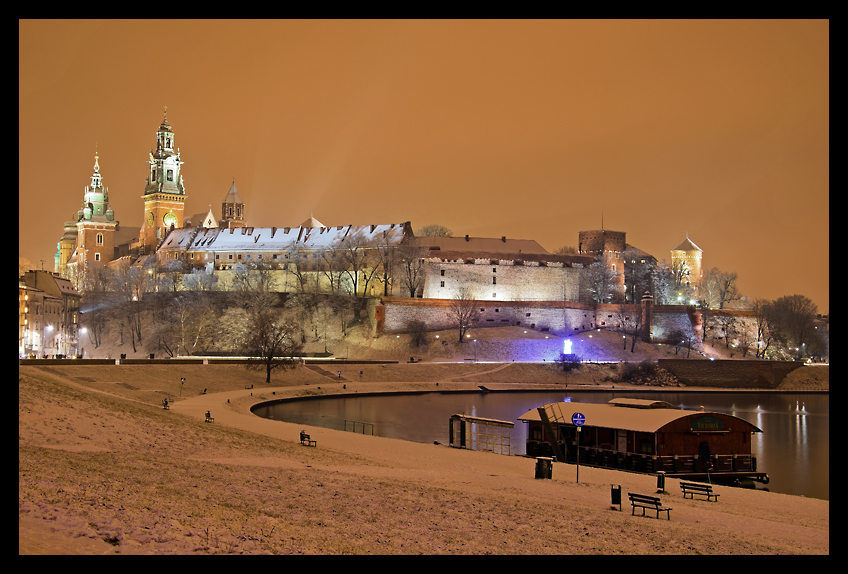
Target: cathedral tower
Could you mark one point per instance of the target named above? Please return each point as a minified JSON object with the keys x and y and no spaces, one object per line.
{"x":232,"y":209}
{"x":95,"y":225}
{"x":164,"y":194}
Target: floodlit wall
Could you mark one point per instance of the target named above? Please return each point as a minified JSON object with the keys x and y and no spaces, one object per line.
{"x":501,"y":280}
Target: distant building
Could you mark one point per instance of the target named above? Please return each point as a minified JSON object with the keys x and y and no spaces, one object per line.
{"x":50,"y":315}
{"x":95,"y":226}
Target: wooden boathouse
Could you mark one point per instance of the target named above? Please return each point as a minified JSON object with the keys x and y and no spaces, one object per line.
{"x":477,"y":433}
{"x":646,"y":436}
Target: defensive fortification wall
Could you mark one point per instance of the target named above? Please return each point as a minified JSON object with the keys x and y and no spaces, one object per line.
{"x":730,"y":374}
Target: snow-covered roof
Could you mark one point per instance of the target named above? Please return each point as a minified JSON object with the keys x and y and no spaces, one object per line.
{"x":276,"y":238}
{"x":484,"y":245}
{"x":687,"y":245}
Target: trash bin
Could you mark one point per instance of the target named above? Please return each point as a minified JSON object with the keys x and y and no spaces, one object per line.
{"x":661,"y":481}
{"x":544,"y":467}
{"x":615,"y":495}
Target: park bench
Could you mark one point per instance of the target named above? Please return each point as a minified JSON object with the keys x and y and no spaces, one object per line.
{"x":693,"y":488}
{"x":651,"y":502}
{"x":305,"y":440}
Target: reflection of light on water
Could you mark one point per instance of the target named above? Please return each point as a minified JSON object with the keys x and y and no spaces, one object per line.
{"x":757,"y":437}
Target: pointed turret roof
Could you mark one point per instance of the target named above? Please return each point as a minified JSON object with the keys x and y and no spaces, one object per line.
{"x":165,"y":126}
{"x":687,"y":245}
{"x":312,"y":222}
{"x":233,"y":195}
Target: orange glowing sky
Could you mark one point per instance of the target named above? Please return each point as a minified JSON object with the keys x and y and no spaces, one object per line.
{"x":528,"y":129}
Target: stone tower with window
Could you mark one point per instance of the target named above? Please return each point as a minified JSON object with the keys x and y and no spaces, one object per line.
{"x":232,"y":209}
{"x":95,"y":231}
{"x":164,"y":193}
{"x":688,"y":255}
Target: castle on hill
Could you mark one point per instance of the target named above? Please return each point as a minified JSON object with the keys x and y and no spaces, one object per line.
{"x":495,"y":269}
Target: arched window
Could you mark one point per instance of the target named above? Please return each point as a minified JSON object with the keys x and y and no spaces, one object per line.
{"x":99,"y":239}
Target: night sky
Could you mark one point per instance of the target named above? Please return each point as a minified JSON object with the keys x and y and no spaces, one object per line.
{"x":532,"y":130}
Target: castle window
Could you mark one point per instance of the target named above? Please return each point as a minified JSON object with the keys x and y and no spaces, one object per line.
{"x":99,"y":239}
{"x":97,"y":257}
{"x":443,"y":272}
{"x":443,"y":284}
{"x":170,"y":175}
{"x":494,"y":269}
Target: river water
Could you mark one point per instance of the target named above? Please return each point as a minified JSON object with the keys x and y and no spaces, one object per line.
{"x":793,"y":448}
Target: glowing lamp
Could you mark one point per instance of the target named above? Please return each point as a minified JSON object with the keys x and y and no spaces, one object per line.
{"x":566,"y":347}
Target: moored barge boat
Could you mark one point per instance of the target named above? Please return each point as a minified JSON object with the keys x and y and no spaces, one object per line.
{"x":647,"y":436}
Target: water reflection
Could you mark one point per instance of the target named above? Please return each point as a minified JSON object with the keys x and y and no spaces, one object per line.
{"x":793,"y":447}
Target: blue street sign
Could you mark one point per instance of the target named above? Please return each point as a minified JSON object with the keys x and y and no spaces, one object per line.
{"x":578,"y":419}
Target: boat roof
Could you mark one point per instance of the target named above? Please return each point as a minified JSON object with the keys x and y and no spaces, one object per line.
{"x":617,"y":415}
{"x":641,"y":403}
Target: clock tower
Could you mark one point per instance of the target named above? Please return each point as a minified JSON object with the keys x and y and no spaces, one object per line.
{"x":164,"y":194}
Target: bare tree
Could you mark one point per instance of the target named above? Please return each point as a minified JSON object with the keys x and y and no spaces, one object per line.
{"x":599,"y":281}
{"x":410,"y":264}
{"x":297,"y":264}
{"x":794,"y":316}
{"x":128,"y":284}
{"x":200,"y":280}
{"x":361,"y":263}
{"x":387,"y":245}
{"x":718,"y":288}
{"x":96,"y":301}
{"x":663,"y":283}
{"x":434,"y":230}
{"x":330,"y":265}
{"x":270,"y":338}
{"x":464,"y":310}
{"x":766,"y":331}
{"x":254,"y":284}
{"x":725,"y":326}
{"x":566,"y":250}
